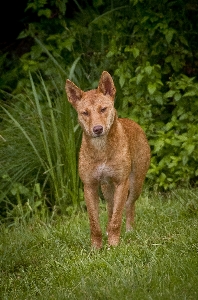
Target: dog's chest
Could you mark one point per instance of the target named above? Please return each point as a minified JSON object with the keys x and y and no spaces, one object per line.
{"x":103,"y":172}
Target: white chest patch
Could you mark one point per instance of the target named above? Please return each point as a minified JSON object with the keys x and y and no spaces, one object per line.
{"x":103,"y":172}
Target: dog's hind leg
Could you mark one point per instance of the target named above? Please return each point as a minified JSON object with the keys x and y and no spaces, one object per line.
{"x":136,"y":184}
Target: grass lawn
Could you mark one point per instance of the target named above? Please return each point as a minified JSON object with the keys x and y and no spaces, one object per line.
{"x":158,"y":260}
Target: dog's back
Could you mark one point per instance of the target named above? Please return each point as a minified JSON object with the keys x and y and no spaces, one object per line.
{"x":139,"y":147}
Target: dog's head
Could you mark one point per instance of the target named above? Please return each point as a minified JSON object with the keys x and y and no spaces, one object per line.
{"x":95,"y":108}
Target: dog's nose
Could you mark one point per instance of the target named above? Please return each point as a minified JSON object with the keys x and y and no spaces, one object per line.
{"x":98,"y":129}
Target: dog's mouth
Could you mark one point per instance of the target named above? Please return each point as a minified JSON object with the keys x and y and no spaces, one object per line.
{"x":94,"y":135}
{"x":97,"y":136}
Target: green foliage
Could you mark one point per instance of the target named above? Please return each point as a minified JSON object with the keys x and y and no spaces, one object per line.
{"x":47,"y":8}
{"x":168,"y":118}
{"x":176,"y":148}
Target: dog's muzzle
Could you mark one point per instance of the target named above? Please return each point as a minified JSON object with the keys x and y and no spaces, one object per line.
{"x":98,"y":130}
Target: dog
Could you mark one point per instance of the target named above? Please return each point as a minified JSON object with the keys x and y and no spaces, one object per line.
{"x":114,"y":154}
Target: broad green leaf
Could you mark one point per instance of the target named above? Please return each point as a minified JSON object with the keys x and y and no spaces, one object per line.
{"x":151,"y":88}
{"x":110,"y":54}
{"x":190,"y":148}
{"x":176,"y":63}
{"x":168,"y":141}
{"x":128,"y":49}
{"x":177,"y":96}
{"x":169,"y":94}
{"x":168,"y":58}
{"x":159,"y":82}
{"x":138,"y":69}
{"x":182,"y":138}
{"x":158,"y":145}
{"x":23,"y":190}
{"x":148,"y":70}
{"x":139,"y":78}
{"x":184,"y":159}
{"x":162,"y":177}
{"x":169,"y":125}
{"x":68,"y":43}
{"x":190,"y":93}
{"x":183,"y":40}
{"x":145,"y":19}
{"x":23,"y":34}
{"x":136,"y":52}
{"x":159,"y":99}
{"x":122,"y":80}
{"x":169,"y":35}
{"x":45,"y":12}
{"x":184,"y":116}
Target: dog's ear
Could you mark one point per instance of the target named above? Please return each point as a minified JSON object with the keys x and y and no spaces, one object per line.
{"x":106,"y":85}
{"x":74,"y":94}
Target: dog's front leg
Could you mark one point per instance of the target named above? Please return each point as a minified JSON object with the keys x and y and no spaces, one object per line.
{"x":92,"y":202}
{"x":120,"y":197}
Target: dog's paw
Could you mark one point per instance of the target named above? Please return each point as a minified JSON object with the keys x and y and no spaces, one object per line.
{"x":113,"y":241}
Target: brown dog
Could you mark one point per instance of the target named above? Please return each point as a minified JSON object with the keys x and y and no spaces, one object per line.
{"x":114,"y":154}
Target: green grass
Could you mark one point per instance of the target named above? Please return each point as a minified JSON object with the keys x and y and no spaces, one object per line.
{"x":38,"y":158}
{"x":158,"y":260}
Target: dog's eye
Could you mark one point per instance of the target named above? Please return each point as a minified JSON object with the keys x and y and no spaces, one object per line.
{"x":85,"y":113}
{"x":103,"y":109}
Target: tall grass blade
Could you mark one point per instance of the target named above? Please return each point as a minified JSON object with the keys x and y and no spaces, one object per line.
{"x":72,"y":69}
{"x":26,"y":136}
{"x":43,"y":132}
